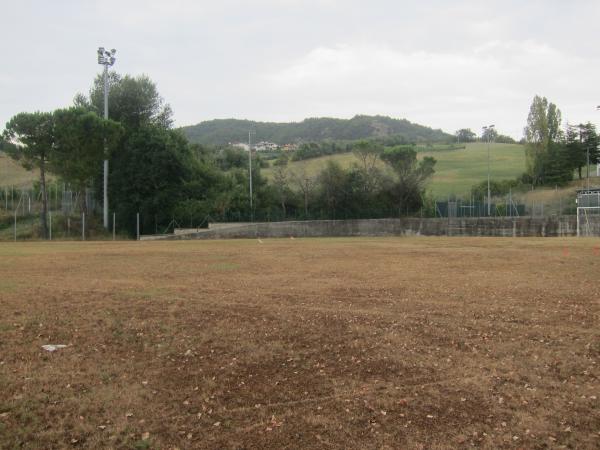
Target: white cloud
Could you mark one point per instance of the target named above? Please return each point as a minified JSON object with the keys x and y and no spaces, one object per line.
{"x":440,"y":63}
{"x":450,"y":90}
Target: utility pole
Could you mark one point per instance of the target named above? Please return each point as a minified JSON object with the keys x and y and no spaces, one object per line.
{"x":588,"y":165}
{"x":107,"y":59}
{"x":489,"y":196}
{"x":598,"y":162}
{"x":250,"y":133}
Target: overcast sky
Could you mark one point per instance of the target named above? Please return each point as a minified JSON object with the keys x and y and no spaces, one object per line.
{"x":445,"y":64}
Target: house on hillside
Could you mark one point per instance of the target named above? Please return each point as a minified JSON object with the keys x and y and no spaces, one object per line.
{"x":265,"y":146}
{"x":289,"y":147}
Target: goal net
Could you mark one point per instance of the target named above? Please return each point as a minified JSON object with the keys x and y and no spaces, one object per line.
{"x":588,"y":221}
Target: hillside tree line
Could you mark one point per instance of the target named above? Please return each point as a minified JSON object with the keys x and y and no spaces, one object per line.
{"x":553,"y":154}
{"x":156,"y":171}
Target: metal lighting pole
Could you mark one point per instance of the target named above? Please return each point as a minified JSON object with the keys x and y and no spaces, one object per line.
{"x":489,"y":196}
{"x":598,"y":163}
{"x":588,"y":166}
{"x":107,"y":59}
{"x":250,"y":133}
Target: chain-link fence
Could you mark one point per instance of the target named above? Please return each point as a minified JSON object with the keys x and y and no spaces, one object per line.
{"x":76,"y":214}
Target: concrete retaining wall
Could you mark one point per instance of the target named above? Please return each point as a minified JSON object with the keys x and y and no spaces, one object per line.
{"x":509,"y":227}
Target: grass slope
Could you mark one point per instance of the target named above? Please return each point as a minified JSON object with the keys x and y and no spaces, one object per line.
{"x":12,"y":174}
{"x":456,"y":170}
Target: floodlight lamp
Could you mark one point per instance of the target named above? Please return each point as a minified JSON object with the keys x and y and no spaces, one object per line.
{"x":100,"y":50}
{"x":113,"y":51}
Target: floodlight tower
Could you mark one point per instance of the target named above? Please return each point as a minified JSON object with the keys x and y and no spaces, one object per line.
{"x":598,"y":163}
{"x":489,"y":196}
{"x":107,"y":59}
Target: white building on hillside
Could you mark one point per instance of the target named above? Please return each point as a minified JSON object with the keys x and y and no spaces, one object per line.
{"x":265,"y":146}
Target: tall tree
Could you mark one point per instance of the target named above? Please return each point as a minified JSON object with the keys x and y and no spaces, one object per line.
{"x":489,"y":134}
{"x":150,"y":169}
{"x":582,"y":140}
{"x":79,"y":145}
{"x":281,"y":183}
{"x":333,"y":180}
{"x":408,"y":189}
{"x":558,"y":168}
{"x":368,"y":154}
{"x":132,"y":101}
{"x":542,"y":130}
{"x":306,"y":185}
{"x":149,"y":176}
{"x":465,"y":135}
{"x":32,"y":139}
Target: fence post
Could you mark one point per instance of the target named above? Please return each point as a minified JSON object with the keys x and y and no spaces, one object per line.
{"x":114,"y":220}
{"x":137,"y":219}
{"x":15,"y":225}
{"x":50,"y":217}
{"x":560,"y":207}
{"x":83,"y":226}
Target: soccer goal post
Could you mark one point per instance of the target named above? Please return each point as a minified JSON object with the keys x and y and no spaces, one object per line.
{"x":588,"y":221}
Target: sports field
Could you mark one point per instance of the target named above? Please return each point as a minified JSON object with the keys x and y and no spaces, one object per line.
{"x":427,"y":343}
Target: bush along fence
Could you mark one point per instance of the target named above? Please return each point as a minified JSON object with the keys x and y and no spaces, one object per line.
{"x":71,"y":214}
{"x":77,"y":214}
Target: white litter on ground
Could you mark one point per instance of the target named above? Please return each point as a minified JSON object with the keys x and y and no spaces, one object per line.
{"x":53,"y":347}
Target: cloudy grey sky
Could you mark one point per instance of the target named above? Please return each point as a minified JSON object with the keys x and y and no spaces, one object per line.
{"x":446,"y":64}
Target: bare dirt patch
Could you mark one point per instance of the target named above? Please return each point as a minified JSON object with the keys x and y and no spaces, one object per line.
{"x":326,"y":343}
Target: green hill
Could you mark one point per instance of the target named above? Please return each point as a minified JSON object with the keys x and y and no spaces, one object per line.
{"x":456,"y":170}
{"x":12,"y":174}
{"x":223,"y":131}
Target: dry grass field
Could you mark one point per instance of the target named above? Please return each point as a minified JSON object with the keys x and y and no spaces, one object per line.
{"x":408,"y":343}
{"x":12,"y":174}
